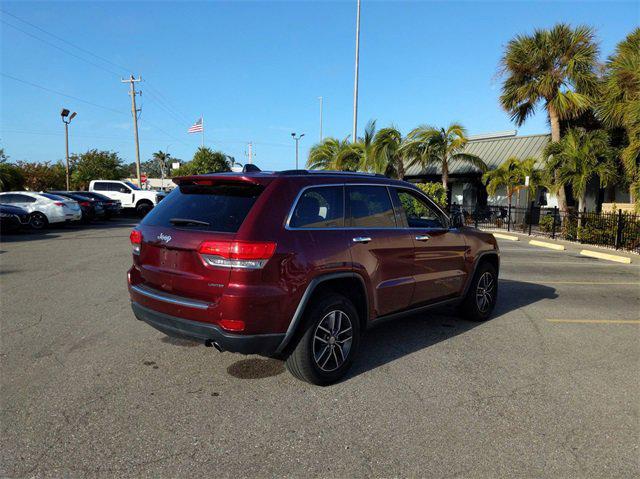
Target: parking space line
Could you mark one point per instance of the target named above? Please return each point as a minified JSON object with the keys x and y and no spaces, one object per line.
{"x":601,"y":283}
{"x":595,"y":321}
{"x":581,"y":262}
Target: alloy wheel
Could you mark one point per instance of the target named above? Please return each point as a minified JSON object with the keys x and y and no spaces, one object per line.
{"x":332,"y":341}
{"x":485,"y":292}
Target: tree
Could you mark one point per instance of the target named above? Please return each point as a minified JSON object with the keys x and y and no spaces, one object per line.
{"x":619,"y":105}
{"x":427,"y":145}
{"x":508,"y":175}
{"x":43,"y":176}
{"x":555,"y":67}
{"x":385,"y":155}
{"x":206,"y":160}
{"x":511,"y":176}
{"x":579,"y":157}
{"x":162,"y":160}
{"x":96,"y":165}
{"x":11,"y":177}
{"x":334,"y":154}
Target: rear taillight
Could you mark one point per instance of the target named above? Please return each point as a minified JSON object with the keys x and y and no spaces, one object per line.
{"x":136,"y":241}
{"x":84,"y":203}
{"x":237,"y":254}
{"x":58,"y":203}
{"x":232,"y":324}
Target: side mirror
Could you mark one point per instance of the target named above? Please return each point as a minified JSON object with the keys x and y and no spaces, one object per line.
{"x":457,"y":219}
{"x":124,"y":190}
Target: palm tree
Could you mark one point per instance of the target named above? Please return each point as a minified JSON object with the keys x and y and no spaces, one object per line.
{"x":508,"y":175}
{"x":385,"y":156}
{"x":163,"y":160}
{"x":555,"y":67}
{"x":334,"y":154}
{"x":427,"y":145}
{"x":511,"y":175}
{"x":579,"y":157}
{"x":620,"y":103}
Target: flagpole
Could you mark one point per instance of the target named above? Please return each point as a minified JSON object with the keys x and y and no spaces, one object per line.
{"x":203,"y":131}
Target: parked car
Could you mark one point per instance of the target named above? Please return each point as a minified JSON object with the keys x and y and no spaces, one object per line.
{"x":111,"y":207}
{"x":129,"y":195}
{"x":296,"y":265}
{"x":91,"y":208}
{"x":43,"y":208}
{"x":12,"y":218}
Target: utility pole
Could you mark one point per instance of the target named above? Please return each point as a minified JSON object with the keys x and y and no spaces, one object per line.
{"x":134,"y":111}
{"x":320,"y":98}
{"x":297,"y":140}
{"x":354,"y":136}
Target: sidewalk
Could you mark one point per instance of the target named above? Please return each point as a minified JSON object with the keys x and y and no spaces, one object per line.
{"x":571,"y":246}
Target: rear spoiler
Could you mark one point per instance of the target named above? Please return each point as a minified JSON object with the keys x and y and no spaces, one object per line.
{"x":218,"y":179}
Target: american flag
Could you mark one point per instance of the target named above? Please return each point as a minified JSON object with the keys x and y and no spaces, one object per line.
{"x":197,"y":126}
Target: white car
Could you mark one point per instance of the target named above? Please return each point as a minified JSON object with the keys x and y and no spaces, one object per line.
{"x":43,"y":208}
{"x":128,"y":194}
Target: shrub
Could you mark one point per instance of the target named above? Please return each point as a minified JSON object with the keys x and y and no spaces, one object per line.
{"x":436,"y":192}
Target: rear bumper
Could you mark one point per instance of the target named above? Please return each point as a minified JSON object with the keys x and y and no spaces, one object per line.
{"x":262,"y":344}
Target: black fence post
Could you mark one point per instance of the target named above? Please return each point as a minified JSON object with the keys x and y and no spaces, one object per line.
{"x":531,"y":215}
{"x":555,"y":218}
{"x":509,"y":219}
{"x":619,"y":229}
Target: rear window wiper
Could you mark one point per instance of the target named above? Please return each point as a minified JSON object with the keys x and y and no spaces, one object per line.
{"x":188,"y":221}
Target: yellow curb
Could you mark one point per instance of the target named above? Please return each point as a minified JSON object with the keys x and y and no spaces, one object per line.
{"x":506,"y":237}
{"x":610,"y":257}
{"x":595,"y":321}
{"x":544,"y":244}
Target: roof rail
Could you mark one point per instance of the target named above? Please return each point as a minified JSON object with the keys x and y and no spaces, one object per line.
{"x":329,"y":172}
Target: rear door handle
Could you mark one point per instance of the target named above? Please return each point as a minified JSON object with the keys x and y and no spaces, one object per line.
{"x":361,"y":239}
{"x":423,"y":238}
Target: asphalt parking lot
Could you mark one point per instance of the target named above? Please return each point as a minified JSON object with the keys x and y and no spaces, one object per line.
{"x":88,"y":391}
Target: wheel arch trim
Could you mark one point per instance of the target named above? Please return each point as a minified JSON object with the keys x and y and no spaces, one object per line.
{"x":481,"y":255}
{"x":306,"y":296}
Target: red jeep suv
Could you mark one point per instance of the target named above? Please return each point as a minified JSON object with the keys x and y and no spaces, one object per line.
{"x":298,"y":264}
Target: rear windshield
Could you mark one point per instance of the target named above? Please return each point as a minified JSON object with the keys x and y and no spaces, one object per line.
{"x":211,"y":208}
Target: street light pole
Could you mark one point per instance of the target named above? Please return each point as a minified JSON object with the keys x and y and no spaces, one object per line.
{"x":354,"y":136}
{"x":297,"y":140}
{"x":64,"y":114}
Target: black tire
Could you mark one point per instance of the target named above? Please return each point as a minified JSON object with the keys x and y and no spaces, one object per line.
{"x":38,"y":221}
{"x":143,"y":207}
{"x":308,"y":362}
{"x":481,"y":297}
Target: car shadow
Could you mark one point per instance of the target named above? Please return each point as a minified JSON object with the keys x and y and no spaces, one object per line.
{"x":57,"y":230}
{"x":397,"y":338}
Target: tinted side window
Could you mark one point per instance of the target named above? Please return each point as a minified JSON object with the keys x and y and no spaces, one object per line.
{"x":119,"y":187}
{"x":101,"y":186}
{"x":321,"y":207}
{"x":370,"y":207}
{"x":24,"y":199}
{"x":418,"y":212}
{"x":8,"y":199}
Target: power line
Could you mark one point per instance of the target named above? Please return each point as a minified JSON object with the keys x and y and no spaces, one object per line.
{"x":65,"y":41}
{"x":61,"y":94}
{"x":60,"y":48}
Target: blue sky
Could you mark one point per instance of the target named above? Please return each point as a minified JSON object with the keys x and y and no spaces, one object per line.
{"x":256,"y":69}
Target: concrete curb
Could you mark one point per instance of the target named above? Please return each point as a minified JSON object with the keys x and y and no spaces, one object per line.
{"x":609,"y":257}
{"x":544,"y":244}
{"x":506,"y":237}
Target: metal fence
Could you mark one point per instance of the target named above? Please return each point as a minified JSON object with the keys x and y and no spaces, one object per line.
{"x":619,"y":230}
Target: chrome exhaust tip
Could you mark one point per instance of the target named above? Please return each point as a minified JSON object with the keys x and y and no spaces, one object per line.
{"x":211,"y":343}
